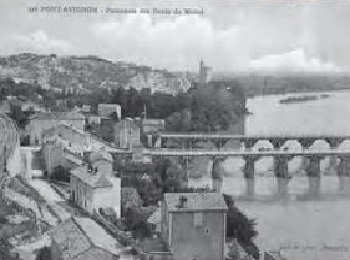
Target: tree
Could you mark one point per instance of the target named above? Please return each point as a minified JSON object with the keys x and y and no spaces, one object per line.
{"x":234,"y":252}
{"x":60,"y":173}
{"x":136,"y":221}
{"x":44,"y":254}
{"x":242,"y":228}
{"x":170,"y":176}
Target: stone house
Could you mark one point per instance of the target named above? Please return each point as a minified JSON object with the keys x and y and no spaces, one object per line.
{"x":55,"y":154}
{"x":94,"y":187}
{"x":127,"y":134}
{"x":194,"y":225}
{"x":105,"y":110}
{"x":47,"y":120}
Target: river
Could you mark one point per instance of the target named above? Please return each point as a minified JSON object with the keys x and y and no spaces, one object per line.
{"x":309,"y":222}
{"x":294,"y":222}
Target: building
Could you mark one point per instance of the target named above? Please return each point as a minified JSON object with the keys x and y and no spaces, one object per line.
{"x":150,"y":126}
{"x":46,"y":120}
{"x":65,"y":146}
{"x":106,"y":129}
{"x":93,"y":188}
{"x":20,"y":109}
{"x":30,"y":162}
{"x":74,"y":141}
{"x":83,"y":239}
{"x":194,"y":225}
{"x":105,"y":110}
{"x":204,"y":73}
{"x":84,"y":109}
{"x":56,"y":155}
{"x":103,"y":161}
{"x":127,"y":134}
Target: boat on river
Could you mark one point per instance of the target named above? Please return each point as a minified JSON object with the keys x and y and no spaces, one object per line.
{"x":324,"y":96}
{"x":298,"y":99}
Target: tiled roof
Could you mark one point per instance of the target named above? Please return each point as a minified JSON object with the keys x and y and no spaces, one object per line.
{"x":156,"y":217}
{"x":73,"y":158}
{"x":70,"y":240}
{"x":94,"y":180}
{"x":101,"y":155}
{"x":195,"y":201}
{"x":58,"y":115}
{"x":83,"y":239}
{"x":153,"y":121}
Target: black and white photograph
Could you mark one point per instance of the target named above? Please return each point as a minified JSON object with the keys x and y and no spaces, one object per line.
{"x":175,"y":130}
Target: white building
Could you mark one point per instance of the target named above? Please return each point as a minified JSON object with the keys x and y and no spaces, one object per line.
{"x":96,"y":188}
{"x":105,"y":110}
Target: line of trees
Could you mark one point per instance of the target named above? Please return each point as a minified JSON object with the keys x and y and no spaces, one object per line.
{"x":211,"y":107}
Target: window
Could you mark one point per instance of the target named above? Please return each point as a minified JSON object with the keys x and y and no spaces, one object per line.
{"x":198,"y":219}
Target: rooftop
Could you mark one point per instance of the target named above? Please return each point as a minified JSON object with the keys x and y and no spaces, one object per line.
{"x":76,"y":239}
{"x":101,"y":155}
{"x":94,"y":180}
{"x":195,"y":201}
{"x":108,"y":105}
{"x":58,"y":115}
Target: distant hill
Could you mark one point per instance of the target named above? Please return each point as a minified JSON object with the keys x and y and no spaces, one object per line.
{"x":264,"y":83}
{"x":87,"y":72}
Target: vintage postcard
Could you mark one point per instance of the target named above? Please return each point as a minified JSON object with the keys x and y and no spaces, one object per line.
{"x":174,"y":130}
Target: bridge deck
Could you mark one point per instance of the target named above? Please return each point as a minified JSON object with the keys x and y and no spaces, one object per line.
{"x":232,"y":152}
{"x":242,"y":137}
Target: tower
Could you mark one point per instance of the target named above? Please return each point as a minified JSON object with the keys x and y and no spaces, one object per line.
{"x":204,"y":73}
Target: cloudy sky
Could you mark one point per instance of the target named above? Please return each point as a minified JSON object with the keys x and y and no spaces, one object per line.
{"x":232,"y":35}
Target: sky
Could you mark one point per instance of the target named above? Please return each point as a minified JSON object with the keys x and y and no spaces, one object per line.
{"x":231,"y":35}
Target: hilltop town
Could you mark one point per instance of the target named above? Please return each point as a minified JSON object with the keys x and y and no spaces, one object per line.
{"x":82,"y":74}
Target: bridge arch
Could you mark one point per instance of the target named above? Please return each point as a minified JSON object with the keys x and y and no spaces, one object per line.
{"x":345,"y":145}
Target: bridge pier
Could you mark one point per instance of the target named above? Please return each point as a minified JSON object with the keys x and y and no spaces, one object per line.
{"x":277,"y":143}
{"x":282,"y":173}
{"x":334,"y":143}
{"x":344,"y":173}
{"x":220,"y":143}
{"x":161,"y":143}
{"x":186,"y":144}
{"x":216,"y":173}
{"x":248,"y":171}
{"x":305,"y":143}
{"x":249,"y":143}
{"x":185,"y":161}
{"x":313,"y":171}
